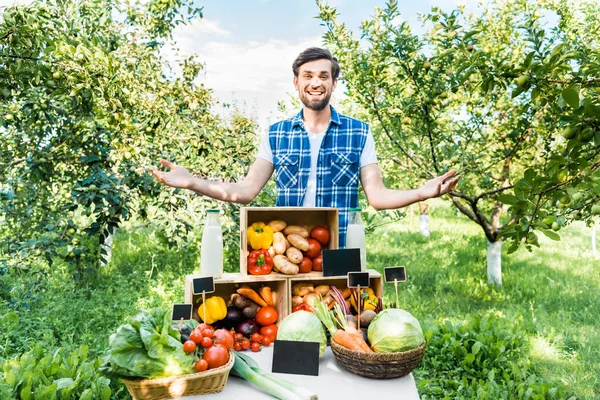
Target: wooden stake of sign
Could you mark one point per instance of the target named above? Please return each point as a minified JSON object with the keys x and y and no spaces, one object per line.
{"x":398,"y":274}
{"x":203,"y":301}
{"x":358,"y":305}
{"x":396,"y":286}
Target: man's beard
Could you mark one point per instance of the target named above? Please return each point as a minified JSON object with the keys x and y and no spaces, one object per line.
{"x":315,"y":105}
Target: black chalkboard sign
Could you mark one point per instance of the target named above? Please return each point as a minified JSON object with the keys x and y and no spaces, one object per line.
{"x":356,"y":279}
{"x":300,"y":358}
{"x":205,"y":284}
{"x":181,"y":312}
{"x":395,"y":274}
{"x":340,"y":262}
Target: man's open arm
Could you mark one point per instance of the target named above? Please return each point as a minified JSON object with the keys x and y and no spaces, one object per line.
{"x":239,"y":192}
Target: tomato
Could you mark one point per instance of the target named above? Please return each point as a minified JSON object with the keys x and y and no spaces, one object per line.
{"x":237,"y":346}
{"x":266,"y":316}
{"x":245,"y":344}
{"x":317,"y":263}
{"x":201,"y":365}
{"x":256,"y":337}
{"x":269,"y":332}
{"x":224,"y":337}
{"x":320,"y":234}
{"x":266,"y":341}
{"x":216,"y":356}
{"x":239,"y":336}
{"x":302,"y":307}
{"x":314,"y":249}
{"x":305,"y":266}
{"x":189,"y":346}
{"x":255,"y":347}
{"x":204,"y":326}
{"x":196,"y":336}
{"x":206,"y":342}
{"x":208,"y":332}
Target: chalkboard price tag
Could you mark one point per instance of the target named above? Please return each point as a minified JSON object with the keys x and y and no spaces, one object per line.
{"x":300,"y":358}
{"x":181,"y":312}
{"x":340,"y":262}
{"x":356,"y":279}
{"x":397,"y":274}
{"x":204,"y":284}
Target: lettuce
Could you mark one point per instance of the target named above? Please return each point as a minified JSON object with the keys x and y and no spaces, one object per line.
{"x":303,"y":326}
{"x":394,"y":330}
{"x":147,"y":346}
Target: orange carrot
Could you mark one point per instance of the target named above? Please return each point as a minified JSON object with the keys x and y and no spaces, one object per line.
{"x":252,"y":295}
{"x":343,"y":338}
{"x":266,"y":294}
{"x":357,"y":336}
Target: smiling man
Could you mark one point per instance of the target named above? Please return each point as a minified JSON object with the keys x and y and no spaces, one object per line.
{"x":319,"y":155}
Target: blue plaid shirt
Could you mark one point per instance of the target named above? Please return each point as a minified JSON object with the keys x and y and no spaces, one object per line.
{"x":337,"y":167}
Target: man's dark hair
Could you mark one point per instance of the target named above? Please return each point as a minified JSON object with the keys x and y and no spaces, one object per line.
{"x":313,"y":54}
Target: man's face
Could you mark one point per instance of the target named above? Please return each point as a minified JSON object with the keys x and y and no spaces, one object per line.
{"x":315,"y":84}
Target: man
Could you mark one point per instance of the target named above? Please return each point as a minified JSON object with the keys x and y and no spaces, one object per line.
{"x":318,"y":156}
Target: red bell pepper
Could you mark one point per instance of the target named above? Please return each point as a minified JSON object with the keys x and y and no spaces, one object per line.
{"x":302,"y":307}
{"x":259,"y":262}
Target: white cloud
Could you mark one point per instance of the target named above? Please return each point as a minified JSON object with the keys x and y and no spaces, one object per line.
{"x":207,"y":26}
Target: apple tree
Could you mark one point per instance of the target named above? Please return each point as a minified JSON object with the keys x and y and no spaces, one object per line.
{"x":508,"y":97}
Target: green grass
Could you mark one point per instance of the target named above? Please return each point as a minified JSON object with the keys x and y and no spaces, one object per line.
{"x":538,"y":334}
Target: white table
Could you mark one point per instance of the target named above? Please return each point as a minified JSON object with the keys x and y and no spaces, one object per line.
{"x":333,"y":382}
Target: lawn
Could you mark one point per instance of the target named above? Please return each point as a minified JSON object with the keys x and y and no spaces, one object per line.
{"x":535,"y":336}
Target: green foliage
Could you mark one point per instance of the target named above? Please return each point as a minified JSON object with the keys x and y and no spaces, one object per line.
{"x":44,"y":374}
{"x":489,"y":95}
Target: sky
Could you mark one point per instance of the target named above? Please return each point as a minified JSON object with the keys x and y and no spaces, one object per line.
{"x":248,"y":46}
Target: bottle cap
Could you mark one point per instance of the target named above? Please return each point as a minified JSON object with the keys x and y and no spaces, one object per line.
{"x":213,"y":210}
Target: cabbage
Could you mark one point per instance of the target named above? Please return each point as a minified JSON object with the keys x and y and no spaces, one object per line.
{"x":394,"y":330}
{"x":303,"y":326}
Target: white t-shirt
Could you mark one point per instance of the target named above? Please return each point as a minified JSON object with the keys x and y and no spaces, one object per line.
{"x":368,"y":156}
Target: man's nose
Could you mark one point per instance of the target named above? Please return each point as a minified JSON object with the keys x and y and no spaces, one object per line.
{"x":316,"y":82}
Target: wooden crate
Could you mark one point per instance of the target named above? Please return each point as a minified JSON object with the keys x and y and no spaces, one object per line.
{"x":340,"y":282}
{"x":228,"y":283}
{"x":303,"y":216}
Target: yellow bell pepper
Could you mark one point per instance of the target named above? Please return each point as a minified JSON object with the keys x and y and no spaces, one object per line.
{"x":370,"y":302}
{"x":260,"y":236}
{"x":213,"y":309}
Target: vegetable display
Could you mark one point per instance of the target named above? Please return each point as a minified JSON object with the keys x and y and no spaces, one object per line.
{"x":303,"y":326}
{"x":394,"y":330}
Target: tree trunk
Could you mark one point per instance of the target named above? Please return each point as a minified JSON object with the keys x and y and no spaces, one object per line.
{"x":106,"y":247}
{"x":494,"y":262}
{"x":594,"y":252}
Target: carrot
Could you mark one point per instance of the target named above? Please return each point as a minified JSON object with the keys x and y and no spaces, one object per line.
{"x":265,"y":293}
{"x":252,"y":295}
{"x":346,"y":293}
{"x":358,"y":338}
{"x":341,"y":336}
{"x":345,"y":339}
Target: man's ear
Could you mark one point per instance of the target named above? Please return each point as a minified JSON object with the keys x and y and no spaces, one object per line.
{"x":296,"y":82}
{"x":334,"y":85}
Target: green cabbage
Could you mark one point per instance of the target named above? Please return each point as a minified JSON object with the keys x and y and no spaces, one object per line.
{"x":303,"y":326}
{"x":394,"y":330}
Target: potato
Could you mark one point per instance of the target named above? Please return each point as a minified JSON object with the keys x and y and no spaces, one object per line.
{"x":302,"y":289}
{"x":297,"y":300}
{"x":271,"y":251}
{"x":277,"y":225}
{"x":296,"y":230}
{"x":322,"y":290}
{"x":294,"y":255}
{"x":298,"y":241}
{"x":284,"y":265}
{"x":279,"y":243}
{"x":311,"y":299}
{"x":366,"y":317}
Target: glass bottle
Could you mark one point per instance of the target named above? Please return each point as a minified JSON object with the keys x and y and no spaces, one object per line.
{"x":355,"y":236}
{"x":211,"y":252}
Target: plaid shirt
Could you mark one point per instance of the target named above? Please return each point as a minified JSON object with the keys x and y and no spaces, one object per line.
{"x":337,"y":167}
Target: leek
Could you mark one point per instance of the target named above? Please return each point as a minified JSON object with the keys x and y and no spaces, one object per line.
{"x":246,"y":368}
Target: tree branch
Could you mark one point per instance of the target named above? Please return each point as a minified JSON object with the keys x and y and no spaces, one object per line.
{"x":492,"y":192}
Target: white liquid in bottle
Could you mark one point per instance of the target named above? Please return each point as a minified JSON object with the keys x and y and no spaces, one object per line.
{"x":355,"y":239}
{"x":211,"y":252}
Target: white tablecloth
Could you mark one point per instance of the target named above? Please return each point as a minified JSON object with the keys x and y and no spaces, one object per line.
{"x":334,"y":382}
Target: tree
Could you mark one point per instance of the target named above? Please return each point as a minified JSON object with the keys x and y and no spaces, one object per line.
{"x":87,"y":101}
{"x":509,"y":103}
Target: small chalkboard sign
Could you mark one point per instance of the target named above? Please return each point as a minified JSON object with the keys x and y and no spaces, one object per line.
{"x":341,"y":261}
{"x":300,"y":358}
{"x":181,"y":312}
{"x":356,"y":279}
{"x":204,"y":284}
{"x":395,"y":274}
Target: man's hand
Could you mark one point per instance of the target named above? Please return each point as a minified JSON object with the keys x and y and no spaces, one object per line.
{"x":439,"y":186}
{"x":178,"y":177}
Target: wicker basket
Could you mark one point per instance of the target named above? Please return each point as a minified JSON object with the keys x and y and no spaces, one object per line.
{"x":378,"y":365}
{"x":211,"y":381}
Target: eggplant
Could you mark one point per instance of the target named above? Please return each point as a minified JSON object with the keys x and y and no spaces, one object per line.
{"x":247,"y":328}
{"x":233,"y":318}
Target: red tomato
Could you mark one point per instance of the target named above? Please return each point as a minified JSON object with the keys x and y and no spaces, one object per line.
{"x":196,"y":336}
{"x":266,"y":316}
{"x":224,"y":337}
{"x":206,"y":342}
{"x":269,"y":332}
{"x":208,"y":332}
{"x":302,"y":307}
{"x":204,"y":326}
{"x":314,"y":248}
{"x":320,"y":234}
{"x":266,"y":341}
{"x":201,"y":365}
{"x":255,"y":347}
{"x":245,"y":344}
{"x":317,"y":263}
{"x":239,"y":336}
{"x":216,"y":356}
{"x":305,"y":266}
{"x":189,"y":346}
{"x":237,"y":346}
{"x":256,"y":337}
